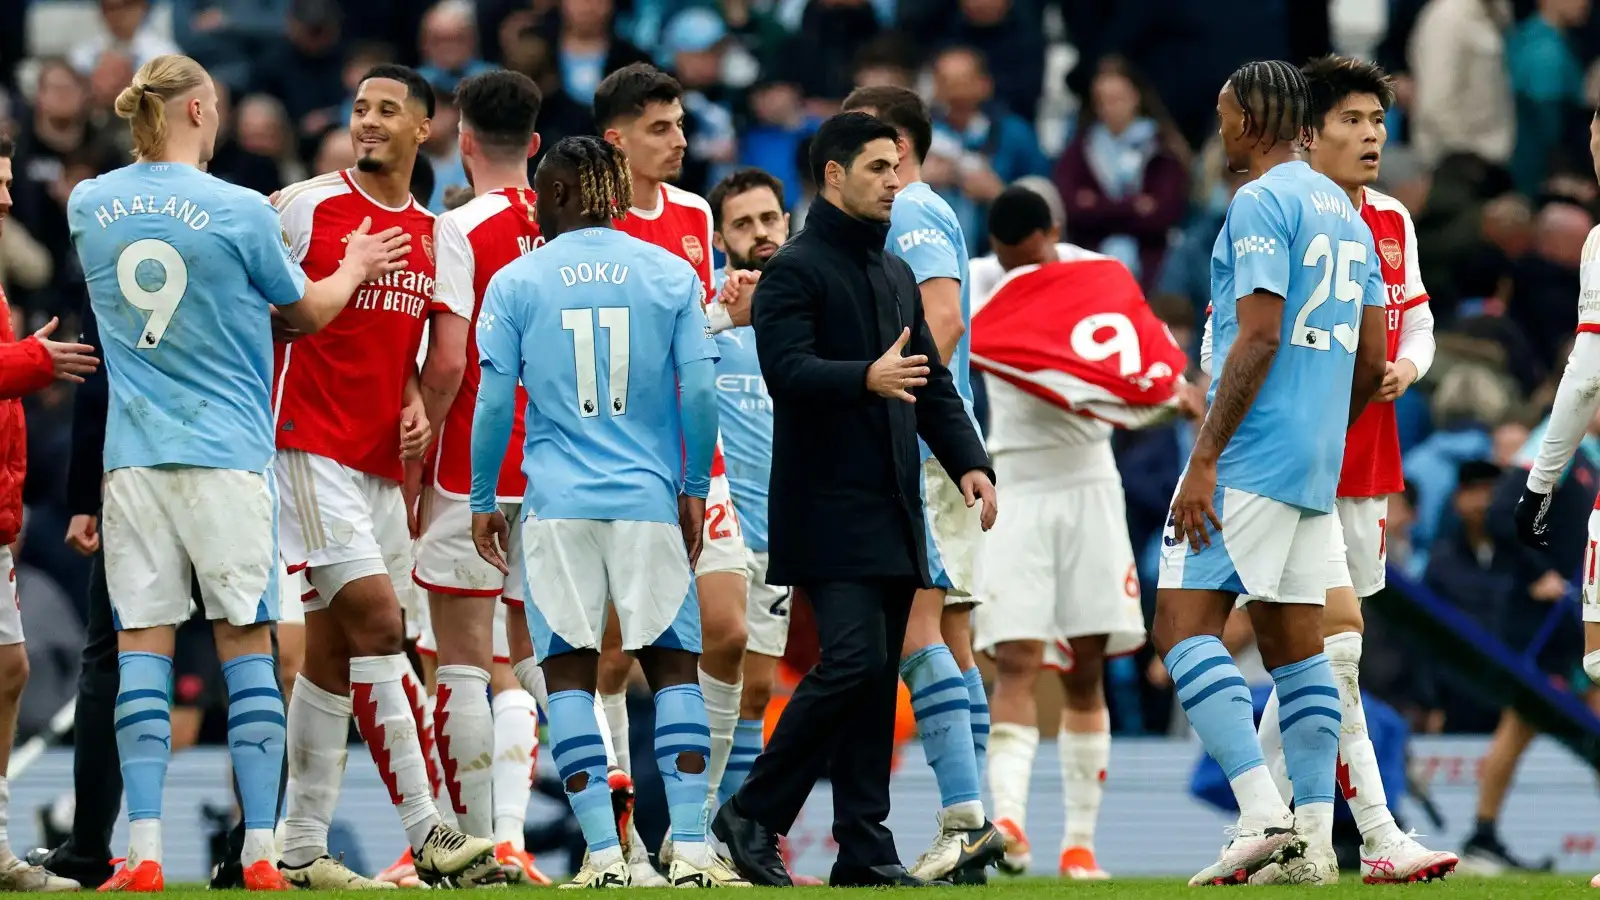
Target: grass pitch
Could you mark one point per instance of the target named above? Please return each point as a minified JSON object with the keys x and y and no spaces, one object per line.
{"x":1527,"y":887}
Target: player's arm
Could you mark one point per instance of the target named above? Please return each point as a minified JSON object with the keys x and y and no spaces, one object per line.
{"x":449,"y":321}
{"x":937,"y":267}
{"x":941,"y":416}
{"x":1372,"y":344}
{"x":1417,"y":346}
{"x":695,"y":354}
{"x":941,"y":307}
{"x":274,"y":245}
{"x":499,"y":362}
{"x":1207,"y":342}
{"x":785,"y":323}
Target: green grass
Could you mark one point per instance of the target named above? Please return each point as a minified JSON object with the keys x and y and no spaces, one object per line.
{"x":1528,"y":887}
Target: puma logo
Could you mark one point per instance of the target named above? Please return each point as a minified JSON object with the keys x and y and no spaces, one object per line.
{"x":165,"y":740}
{"x":259,"y":745}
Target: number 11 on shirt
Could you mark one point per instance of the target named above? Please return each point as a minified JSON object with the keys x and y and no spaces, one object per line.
{"x":614,"y":319}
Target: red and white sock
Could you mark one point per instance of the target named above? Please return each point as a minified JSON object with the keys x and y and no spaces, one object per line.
{"x":319,"y":735}
{"x":387,"y":721}
{"x":516,"y":752}
{"x":1084,"y":757}
{"x":428,"y":738}
{"x":465,"y":735}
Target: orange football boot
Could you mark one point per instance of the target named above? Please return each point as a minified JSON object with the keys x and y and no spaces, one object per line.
{"x":263,"y":875}
{"x":145,"y":878}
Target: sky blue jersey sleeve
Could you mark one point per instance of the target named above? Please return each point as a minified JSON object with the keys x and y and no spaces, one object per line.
{"x":265,"y":247}
{"x":500,"y":329}
{"x":492,"y":422}
{"x":691,"y":333}
{"x":697,"y":386}
{"x":1261,"y":243}
{"x":927,"y":246}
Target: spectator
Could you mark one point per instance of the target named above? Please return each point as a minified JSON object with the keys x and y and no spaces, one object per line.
{"x":260,"y":154}
{"x":335,"y":152}
{"x":112,"y":72}
{"x":1544,"y":282}
{"x":587,"y":49}
{"x":306,"y":74}
{"x":443,"y":151}
{"x":886,"y":61}
{"x":820,"y":57}
{"x":1124,"y":177}
{"x":449,"y":45}
{"x":228,"y":36}
{"x":1468,"y":399}
{"x":1009,"y":30}
{"x":693,"y":48}
{"x":979,"y":146}
{"x":757,"y":34}
{"x":127,"y":30}
{"x":1547,"y":83}
{"x":1463,"y":95}
{"x":773,"y":139}
{"x":559,"y":115}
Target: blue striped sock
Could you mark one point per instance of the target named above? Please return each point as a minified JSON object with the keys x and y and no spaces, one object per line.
{"x":1308,"y":715}
{"x":144,"y":730}
{"x":979,"y":704}
{"x":681,"y":727}
{"x":255,"y":735}
{"x":944,"y":721}
{"x":1218,"y":704}
{"x":747,"y":741}
{"x":577,"y":749}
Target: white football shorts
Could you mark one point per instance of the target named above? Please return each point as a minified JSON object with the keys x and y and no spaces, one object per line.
{"x":340,"y":525}
{"x":766,"y":617}
{"x":1591,"y":592}
{"x":10,"y":602}
{"x":1267,"y":550}
{"x":582,"y":564}
{"x":722,"y":547}
{"x":158,"y":522}
{"x":291,"y":588}
{"x":953,"y":531}
{"x":428,"y":644}
{"x":1059,"y":565}
{"x":447,"y":560}
{"x":1359,"y":549}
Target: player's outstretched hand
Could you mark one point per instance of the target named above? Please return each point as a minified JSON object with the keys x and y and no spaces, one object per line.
{"x":1530,"y":516}
{"x":282,"y":331}
{"x":71,"y":361}
{"x":1398,"y":376}
{"x":736,"y":293}
{"x":692,"y":519}
{"x":893,"y":375}
{"x":976,"y":486}
{"x":376,"y":255}
{"x":83,"y":535}
{"x":1192,"y":510}
{"x":1191,"y":401}
{"x":491,"y":535}
{"x":415,"y":432}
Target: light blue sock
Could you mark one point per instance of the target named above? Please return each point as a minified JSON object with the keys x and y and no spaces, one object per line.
{"x":1308,"y":715}
{"x":748,"y":736}
{"x":944,"y":721}
{"x":681,"y":727}
{"x":979,"y":703}
{"x":255,"y":735}
{"x":144,"y":730}
{"x":578,"y":749}
{"x":1217,"y":700}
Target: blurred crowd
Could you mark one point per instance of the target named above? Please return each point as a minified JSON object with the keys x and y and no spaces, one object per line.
{"x":1111,"y":103}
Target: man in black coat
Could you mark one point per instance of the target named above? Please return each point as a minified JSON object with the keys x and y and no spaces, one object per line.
{"x":846,"y":516}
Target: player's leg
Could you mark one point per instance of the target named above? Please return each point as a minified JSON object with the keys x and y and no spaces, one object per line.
{"x":1195,"y":594}
{"x":720,"y":580}
{"x":15,"y":875}
{"x":766,"y":618}
{"x":566,"y":624}
{"x":516,"y":755}
{"x":955,"y":626}
{"x":1014,"y":740}
{"x":1084,"y":747}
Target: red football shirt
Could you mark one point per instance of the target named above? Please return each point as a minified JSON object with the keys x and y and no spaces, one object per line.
{"x":1372,"y":446}
{"x":474,"y":242}
{"x":339,"y":392}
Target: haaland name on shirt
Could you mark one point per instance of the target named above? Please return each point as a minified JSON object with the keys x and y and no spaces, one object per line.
{"x":145,"y":205}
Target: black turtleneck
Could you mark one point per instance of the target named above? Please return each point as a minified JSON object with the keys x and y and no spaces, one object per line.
{"x":860,"y":237}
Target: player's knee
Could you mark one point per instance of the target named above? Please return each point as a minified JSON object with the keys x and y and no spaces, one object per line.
{"x":1018,"y":662}
{"x":727,"y":643}
{"x":13,"y":671}
{"x":576,"y":782}
{"x":753,"y":700}
{"x":1084,"y":687}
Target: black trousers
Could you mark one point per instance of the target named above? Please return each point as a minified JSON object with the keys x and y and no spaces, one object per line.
{"x":840,"y":720}
{"x":96,"y":769}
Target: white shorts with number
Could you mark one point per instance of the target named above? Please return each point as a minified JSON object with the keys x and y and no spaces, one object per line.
{"x":10,"y":602}
{"x":1591,"y":591}
{"x":448,"y":561}
{"x":428,"y":644}
{"x":1359,"y":548}
{"x":157,"y":523}
{"x":341,"y":524}
{"x":766,"y":617}
{"x":579,"y":565}
{"x":722,"y":549}
{"x":953,"y":531}
{"x":1059,"y":565}
{"x":1267,"y":550}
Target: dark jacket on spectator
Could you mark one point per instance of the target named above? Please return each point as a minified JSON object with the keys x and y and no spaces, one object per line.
{"x":1092,"y":216}
{"x":846,"y":498}
{"x":821,"y":55}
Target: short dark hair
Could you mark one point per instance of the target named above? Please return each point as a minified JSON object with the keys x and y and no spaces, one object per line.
{"x":1333,"y":78}
{"x":738,"y":183}
{"x":899,"y":107}
{"x":417,"y":87}
{"x":1018,"y":213}
{"x":841,"y":138}
{"x":1276,"y":99}
{"x":501,"y":107}
{"x":9,"y":149}
{"x":625,"y":93}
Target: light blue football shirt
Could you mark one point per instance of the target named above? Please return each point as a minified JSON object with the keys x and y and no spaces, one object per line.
{"x":596,"y":324}
{"x":924,"y":231}
{"x":1293,"y":233}
{"x":744,"y":413}
{"x":181,"y":268}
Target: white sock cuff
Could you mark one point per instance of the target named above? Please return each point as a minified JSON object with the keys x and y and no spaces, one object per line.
{"x":1591,"y":666}
{"x":513,"y":699}
{"x":459,"y":674}
{"x":1344,"y":647}
{"x":1003,"y":733}
{"x":1086,"y":740}
{"x":332,"y":704}
{"x":712,"y":682}
{"x":618,"y":700}
{"x":378,"y":669}
{"x":531,"y":677}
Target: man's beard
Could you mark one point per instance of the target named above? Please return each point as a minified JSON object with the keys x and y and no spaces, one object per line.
{"x":752,"y":262}
{"x":369,"y":164}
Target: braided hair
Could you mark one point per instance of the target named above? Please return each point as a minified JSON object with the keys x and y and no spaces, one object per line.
{"x":1276,"y":99}
{"x":604,"y":184}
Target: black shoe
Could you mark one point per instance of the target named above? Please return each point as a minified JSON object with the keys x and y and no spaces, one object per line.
{"x":751,"y":847}
{"x":63,"y":861}
{"x":227,"y":876}
{"x":878,"y":876}
{"x":970,"y":874}
{"x":1484,"y":854}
